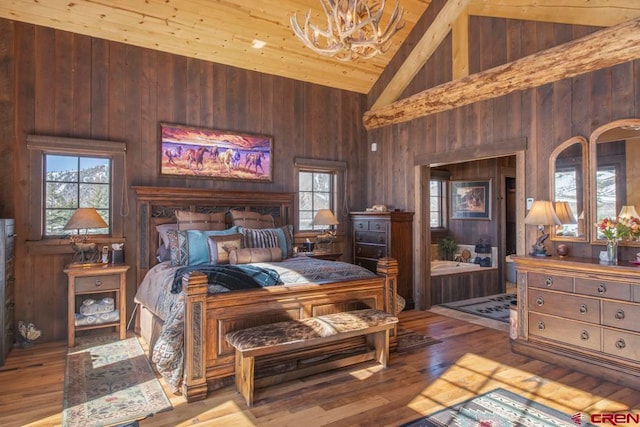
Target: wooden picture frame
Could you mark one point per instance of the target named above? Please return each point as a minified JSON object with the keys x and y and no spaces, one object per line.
{"x":470,"y":199}
{"x":215,"y":154}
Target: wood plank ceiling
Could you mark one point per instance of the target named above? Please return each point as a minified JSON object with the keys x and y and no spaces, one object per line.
{"x":222,"y":31}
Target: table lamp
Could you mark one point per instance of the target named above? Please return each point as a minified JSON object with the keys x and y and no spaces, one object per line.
{"x":84,"y":218}
{"x":628,"y":211}
{"x":325,"y":217}
{"x":541,"y":215}
{"x":566,"y":217}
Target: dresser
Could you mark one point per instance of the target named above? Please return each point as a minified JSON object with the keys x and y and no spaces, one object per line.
{"x":582,"y":314}
{"x":385,"y":234}
{"x":7,"y":287}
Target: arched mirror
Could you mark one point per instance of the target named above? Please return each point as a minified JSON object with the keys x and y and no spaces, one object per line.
{"x":568,"y":190}
{"x":615,"y":174}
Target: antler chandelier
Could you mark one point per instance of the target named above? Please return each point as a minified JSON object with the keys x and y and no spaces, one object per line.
{"x":353,"y":29}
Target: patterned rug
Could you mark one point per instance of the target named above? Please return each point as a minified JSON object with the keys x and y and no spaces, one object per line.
{"x":410,"y":340}
{"x":499,"y":408}
{"x":110,"y":382}
{"x":494,"y":307}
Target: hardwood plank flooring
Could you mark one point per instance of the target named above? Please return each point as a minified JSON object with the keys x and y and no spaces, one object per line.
{"x":470,"y":360}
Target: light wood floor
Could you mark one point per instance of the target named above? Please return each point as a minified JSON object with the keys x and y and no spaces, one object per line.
{"x":470,"y":360}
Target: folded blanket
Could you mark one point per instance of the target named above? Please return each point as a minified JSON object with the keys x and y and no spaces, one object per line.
{"x":232,"y":277}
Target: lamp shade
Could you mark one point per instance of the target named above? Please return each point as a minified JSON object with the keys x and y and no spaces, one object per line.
{"x":565,"y":214}
{"x":542,"y":213}
{"x":84,"y":218}
{"x":325,"y":217}
{"x":628,"y":211}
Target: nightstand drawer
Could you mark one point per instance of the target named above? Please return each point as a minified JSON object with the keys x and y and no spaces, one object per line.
{"x":570,"y":306}
{"x":550,"y":281}
{"x":97,"y":283}
{"x":603,"y":288}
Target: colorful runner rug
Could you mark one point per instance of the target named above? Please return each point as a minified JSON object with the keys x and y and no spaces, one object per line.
{"x":110,"y":382}
{"x":500,"y":408}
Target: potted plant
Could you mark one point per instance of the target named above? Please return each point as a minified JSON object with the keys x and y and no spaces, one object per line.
{"x":447,"y":247}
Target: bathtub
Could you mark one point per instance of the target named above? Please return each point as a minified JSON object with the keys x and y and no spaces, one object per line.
{"x":439,"y":268}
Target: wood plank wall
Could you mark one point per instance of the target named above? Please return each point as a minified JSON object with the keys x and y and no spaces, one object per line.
{"x":77,"y":86}
{"x":543,"y":117}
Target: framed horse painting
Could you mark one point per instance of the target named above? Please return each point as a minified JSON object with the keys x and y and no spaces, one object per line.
{"x":210,"y":153}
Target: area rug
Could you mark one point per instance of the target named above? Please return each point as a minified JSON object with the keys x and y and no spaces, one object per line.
{"x":494,"y":307}
{"x":499,"y":408}
{"x":410,"y":340}
{"x":110,"y":382}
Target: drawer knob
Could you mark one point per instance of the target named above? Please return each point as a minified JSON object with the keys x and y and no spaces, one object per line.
{"x":583,"y":309}
{"x":381,"y":239}
{"x":602,"y":288}
{"x":549,"y":281}
{"x":620,"y":344}
{"x":377,"y":226}
{"x":540,"y":301}
{"x":541,"y":325}
{"x":584,"y":335}
{"x":361,"y":225}
{"x":98,"y":283}
{"x":359,"y":251}
{"x":619,"y":314}
{"x":379,"y":253}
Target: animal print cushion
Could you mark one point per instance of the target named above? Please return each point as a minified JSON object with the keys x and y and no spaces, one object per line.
{"x":252,"y":219}
{"x":221,"y":246}
{"x":200,"y":221}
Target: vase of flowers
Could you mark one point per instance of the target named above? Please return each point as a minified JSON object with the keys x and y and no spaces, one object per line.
{"x":618,"y":229}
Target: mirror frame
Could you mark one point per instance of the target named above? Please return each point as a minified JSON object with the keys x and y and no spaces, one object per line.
{"x":593,"y":165}
{"x":585,"y":186}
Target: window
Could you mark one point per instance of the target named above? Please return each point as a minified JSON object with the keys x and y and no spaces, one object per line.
{"x":320,"y":186}
{"x":72,"y":182}
{"x":67,"y":174}
{"x":437,"y":203}
{"x":315,"y":191}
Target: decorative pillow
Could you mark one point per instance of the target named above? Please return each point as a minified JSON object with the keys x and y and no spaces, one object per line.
{"x":200,"y":221}
{"x":189,"y":247}
{"x":281,"y":237}
{"x":252,"y":219}
{"x":249,"y":255}
{"x":162,"y":232}
{"x":221,"y":246}
{"x":163,"y":253}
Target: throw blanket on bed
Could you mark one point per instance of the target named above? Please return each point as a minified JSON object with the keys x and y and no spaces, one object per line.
{"x":232,"y":277}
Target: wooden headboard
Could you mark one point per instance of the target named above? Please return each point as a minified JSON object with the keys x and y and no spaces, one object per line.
{"x":157,"y":205}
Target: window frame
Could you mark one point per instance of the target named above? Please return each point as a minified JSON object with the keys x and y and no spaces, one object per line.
{"x":335,"y":168}
{"x":39,"y":145}
{"x":442,"y":212}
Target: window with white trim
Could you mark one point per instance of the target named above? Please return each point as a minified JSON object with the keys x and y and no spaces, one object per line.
{"x":437,"y":203}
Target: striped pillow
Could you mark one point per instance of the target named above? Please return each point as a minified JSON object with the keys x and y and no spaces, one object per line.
{"x":281,"y":237}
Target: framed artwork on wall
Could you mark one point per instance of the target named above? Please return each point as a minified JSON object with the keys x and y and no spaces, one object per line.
{"x":471,"y":199}
{"x":218,"y":154}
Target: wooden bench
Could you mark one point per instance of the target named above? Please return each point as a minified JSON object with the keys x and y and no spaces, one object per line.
{"x":282,"y":337}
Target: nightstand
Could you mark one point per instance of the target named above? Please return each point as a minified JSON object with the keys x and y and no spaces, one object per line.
{"x":97,"y":282}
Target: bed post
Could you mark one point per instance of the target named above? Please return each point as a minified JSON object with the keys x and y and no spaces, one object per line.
{"x":194,"y":384}
{"x":388,"y":267}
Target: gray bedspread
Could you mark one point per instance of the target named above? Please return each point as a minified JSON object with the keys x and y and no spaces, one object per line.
{"x":155,"y":294}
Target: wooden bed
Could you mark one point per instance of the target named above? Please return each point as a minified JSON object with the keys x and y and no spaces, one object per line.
{"x":208,"y":358}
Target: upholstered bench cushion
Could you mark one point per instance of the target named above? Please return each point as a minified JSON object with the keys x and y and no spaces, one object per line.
{"x":294,"y":331}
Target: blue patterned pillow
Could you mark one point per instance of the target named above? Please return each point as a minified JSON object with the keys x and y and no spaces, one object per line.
{"x":190,"y":247}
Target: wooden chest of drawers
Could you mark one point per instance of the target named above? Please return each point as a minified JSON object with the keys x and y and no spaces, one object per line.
{"x":582,"y":314}
{"x":381,"y":234}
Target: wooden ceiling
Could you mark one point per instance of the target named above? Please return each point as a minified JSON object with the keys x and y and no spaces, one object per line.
{"x":222,"y":30}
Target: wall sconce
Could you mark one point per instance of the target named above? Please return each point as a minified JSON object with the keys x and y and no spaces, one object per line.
{"x":325,"y":217}
{"x":541,"y":214}
{"x":85,"y":252}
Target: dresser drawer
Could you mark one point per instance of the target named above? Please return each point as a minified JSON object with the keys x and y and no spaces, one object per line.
{"x":622,"y":344}
{"x":371,"y":237}
{"x":370,"y":225}
{"x":571,"y":306}
{"x":369,"y":264}
{"x":603,"y":288}
{"x":621,"y":315}
{"x":566,"y":331}
{"x":370,"y":251}
{"x":550,"y":281}
{"x":107,"y":282}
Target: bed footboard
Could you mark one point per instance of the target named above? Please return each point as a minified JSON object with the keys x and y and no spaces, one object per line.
{"x":208,"y":318}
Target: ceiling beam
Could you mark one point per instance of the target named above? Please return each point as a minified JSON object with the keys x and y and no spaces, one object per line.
{"x":599,"y":13}
{"x":602,"y":49}
{"x":421,"y":53}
